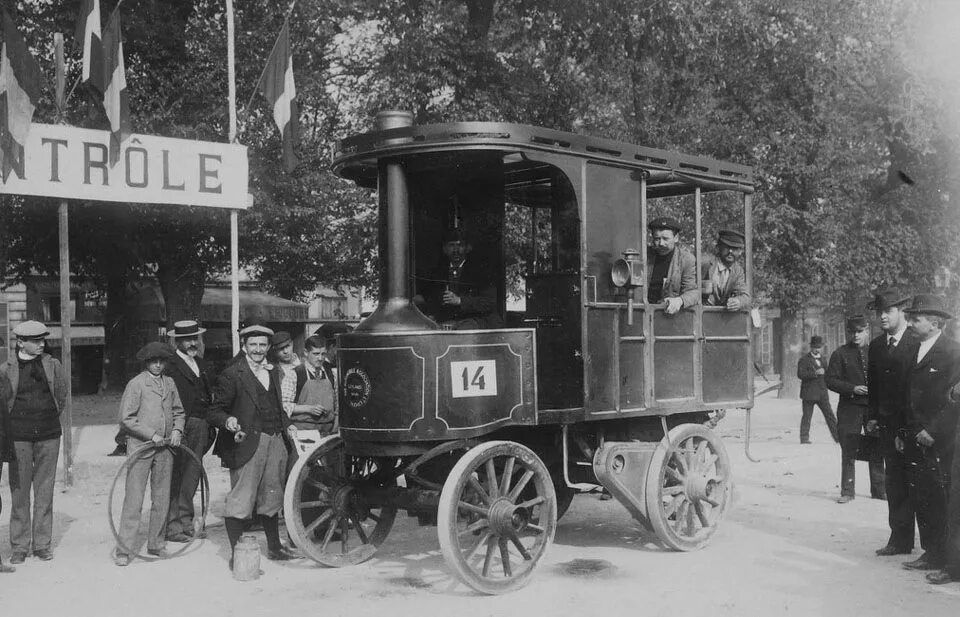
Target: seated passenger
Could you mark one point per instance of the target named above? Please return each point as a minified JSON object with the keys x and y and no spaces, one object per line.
{"x":460,"y":294}
{"x":671,"y":269}
{"x":725,"y":282}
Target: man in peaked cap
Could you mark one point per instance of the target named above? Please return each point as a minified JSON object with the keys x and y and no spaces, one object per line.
{"x":725,"y":278}
{"x":931,"y":418}
{"x":813,"y":390}
{"x":191,"y":375}
{"x":253,"y":441}
{"x":35,"y":398}
{"x":671,"y":269}
{"x":847,"y":376}
{"x":887,"y":360}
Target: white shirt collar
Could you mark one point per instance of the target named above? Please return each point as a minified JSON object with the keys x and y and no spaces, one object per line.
{"x":896,"y":336}
{"x":191,"y":362}
{"x":926,"y":345}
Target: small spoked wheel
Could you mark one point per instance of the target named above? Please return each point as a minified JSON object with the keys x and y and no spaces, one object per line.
{"x":497,"y":516}
{"x":324,"y":507}
{"x":688,"y":487}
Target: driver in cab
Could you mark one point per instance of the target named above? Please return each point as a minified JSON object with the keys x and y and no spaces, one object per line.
{"x":671,"y":269}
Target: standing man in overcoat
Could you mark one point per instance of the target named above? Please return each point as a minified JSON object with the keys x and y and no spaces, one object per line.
{"x":813,"y":390}
{"x":191,"y":375}
{"x":253,"y":441}
{"x":847,"y":376}
{"x":888,"y":359}
{"x":928,"y":436}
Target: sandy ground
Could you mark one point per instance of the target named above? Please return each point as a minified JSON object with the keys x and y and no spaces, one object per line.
{"x":785,"y":548}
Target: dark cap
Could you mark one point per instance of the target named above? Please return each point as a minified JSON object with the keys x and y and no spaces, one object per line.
{"x":816,"y":341}
{"x":856,"y":322}
{"x":928,"y":304}
{"x":882,"y":300}
{"x":664,"y":222}
{"x":731,"y":238}
{"x":280,"y":339}
{"x":329,"y":331}
{"x":154,"y":350}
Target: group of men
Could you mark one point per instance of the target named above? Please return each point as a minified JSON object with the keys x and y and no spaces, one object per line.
{"x":256,"y":405}
{"x":899,"y":401}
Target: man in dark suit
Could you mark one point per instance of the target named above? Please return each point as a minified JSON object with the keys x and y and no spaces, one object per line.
{"x":191,"y":376}
{"x":252,"y":444}
{"x":813,"y":390}
{"x":847,"y":376}
{"x":888,"y":358}
{"x":928,"y":436}
{"x":725,"y":281}
{"x":951,"y":569}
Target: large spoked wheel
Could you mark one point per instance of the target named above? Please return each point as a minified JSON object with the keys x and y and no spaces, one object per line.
{"x":324,"y":506}
{"x":688,"y":487}
{"x":497,"y":516}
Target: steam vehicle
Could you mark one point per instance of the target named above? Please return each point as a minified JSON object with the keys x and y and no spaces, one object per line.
{"x":489,"y":433}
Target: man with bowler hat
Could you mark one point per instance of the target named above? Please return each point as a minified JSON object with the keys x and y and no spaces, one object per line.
{"x":888,"y":358}
{"x":252,"y":442}
{"x":813,"y":390}
{"x":191,"y":375}
{"x":671,"y":269}
{"x":847,"y":376}
{"x":931,"y":418}
{"x":36,"y":398}
{"x":725,"y":281}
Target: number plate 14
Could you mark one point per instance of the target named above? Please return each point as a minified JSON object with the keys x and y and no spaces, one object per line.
{"x":473,"y":378}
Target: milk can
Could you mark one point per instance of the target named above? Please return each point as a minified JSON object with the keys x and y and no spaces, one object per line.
{"x":246,"y":559}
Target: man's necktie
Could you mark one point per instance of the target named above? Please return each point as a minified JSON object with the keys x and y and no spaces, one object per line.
{"x":891,"y":343}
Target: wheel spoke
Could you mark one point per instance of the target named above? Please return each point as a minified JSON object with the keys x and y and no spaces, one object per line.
{"x":678,"y":522}
{"x":475,"y":485}
{"x":701,"y":514}
{"x":505,"y":558}
{"x":491,"y":546}
{"x":710,"y":460}
{"x":690,"y":525}
{"x":532,"y":502}
{"x":320,"y":520}
{"x":681,"y":462}
{"x":674,"y":505}
{"x":463,"y":505}
{"x":522,"y":484}
{"x":374,"y":517}
{"x":473,"y":527}
{"x":713,"y":502}
{"x":304,"y":505}
{"x":520,"y":547}
{"x":328,"y":536}
{"x":673,"y":490}
{"x":507,"y":475}
{"x":673,"y":474}
{"x":361,"y":534}
{"x":702,"y":451}
{"x":536,"y":528}
{"x":493,"y":489}
{"x":343,"y":534}
{"x":480,"y":542}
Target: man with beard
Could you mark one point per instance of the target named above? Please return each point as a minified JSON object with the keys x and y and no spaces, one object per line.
{"x":252,"y":443}
{"x":888,"y":358}
{"x":725,"y":277}
{"x":671,"y":269}
{"x":191,"y":376}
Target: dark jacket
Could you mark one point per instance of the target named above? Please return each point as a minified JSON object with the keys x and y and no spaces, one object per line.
{"x":681,"y":280}
{"x":194,"y":391}
{"x":813,"y":387}
{"x":7,"y":453}
{"x":235,"y":394}
{"x":55,"y":381}
{"x":847,"y":370}
{"x":928,"y":386}
{"x":476,"y":288}
{"x":887,"y":372}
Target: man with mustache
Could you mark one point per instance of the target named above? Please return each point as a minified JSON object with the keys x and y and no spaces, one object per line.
{"x":671,"y":269}
{"x":725,"y":277}
{"x":190,"y":374}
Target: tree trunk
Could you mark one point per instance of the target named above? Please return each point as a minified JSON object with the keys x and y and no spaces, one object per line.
{"x":791,"y":348}
{"x":181,"y":277}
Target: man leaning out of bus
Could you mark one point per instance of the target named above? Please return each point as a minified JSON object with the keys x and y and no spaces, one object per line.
{"x":671,"y":269}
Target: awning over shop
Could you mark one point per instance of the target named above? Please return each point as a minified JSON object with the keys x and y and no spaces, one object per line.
{"x":215,"y":306}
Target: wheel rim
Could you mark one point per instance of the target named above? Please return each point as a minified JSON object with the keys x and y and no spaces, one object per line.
{"x":497,"y":516}
{"x":692,"y":488}
{"x":324,"y":507}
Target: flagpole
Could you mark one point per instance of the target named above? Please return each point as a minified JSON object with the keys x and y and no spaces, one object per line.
{"x":234,"y":214}
{"x":286,"y":18}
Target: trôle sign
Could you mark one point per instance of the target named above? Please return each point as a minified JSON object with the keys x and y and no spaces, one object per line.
{"x":74,"y":163}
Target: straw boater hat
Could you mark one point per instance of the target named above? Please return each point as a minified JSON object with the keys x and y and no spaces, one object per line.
{"x":186,"y":328}
{"x":31,"y":329}
{"x":888,"y":298}
{"x":928,"y":304}
{"x":154,"y":350}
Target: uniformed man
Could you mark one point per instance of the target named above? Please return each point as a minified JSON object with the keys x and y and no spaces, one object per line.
{"x":671,"y":269}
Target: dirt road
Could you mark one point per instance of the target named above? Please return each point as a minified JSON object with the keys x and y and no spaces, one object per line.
{"x":786,"y":547}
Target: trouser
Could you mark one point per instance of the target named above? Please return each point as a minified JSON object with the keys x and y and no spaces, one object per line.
{"x":257,"y":486}
{"x":929,"y":481}
{"x":37,"y":466}
{"x":900,"y":514}
{"x":953,"y":512}
{"x":824,"y":404}
{"x":155,"y":467}
{"x":850,"y":421}
{"x":185,"y":477}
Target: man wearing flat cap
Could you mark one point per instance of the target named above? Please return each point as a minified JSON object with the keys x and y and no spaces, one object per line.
{"x":811,"y":369}
{"x":847,"y":376}
{"x":192,"y":377}
{"x":725,"y":281}
{"x":253,"y":441}
{"x":671,"y":269}
{"x":931,"y":418}
{"x":35,"y":398}
{"x":887,"y":361}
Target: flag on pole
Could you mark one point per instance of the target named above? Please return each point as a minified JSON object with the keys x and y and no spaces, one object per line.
{"x":88,"y":37}
{"x":20,"y":80}
{"x":278,"y":88}
{"x":115,"y":86}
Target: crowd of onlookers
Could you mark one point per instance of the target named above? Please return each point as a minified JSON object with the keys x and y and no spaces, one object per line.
{"x":899,"y":401}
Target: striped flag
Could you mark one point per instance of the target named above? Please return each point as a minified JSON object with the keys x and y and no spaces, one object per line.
{"x":278,"y":88}
{"x":115,"y":86}
{"x":20,"y":80}
{"x":88,"y":36}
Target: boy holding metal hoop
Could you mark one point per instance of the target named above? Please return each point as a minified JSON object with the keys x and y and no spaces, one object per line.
{"x":150,"y":412}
